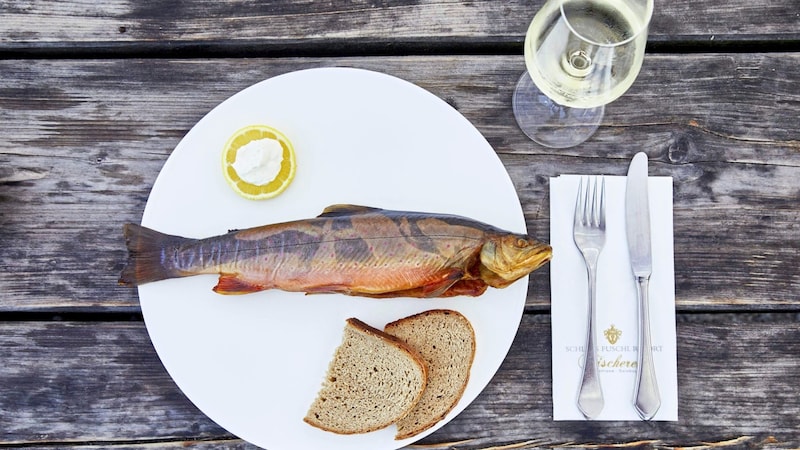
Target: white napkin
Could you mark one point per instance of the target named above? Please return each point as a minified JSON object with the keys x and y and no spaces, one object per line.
{"x":617,"y":333}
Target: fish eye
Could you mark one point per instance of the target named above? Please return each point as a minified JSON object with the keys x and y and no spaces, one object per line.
{"x":522,"y":243}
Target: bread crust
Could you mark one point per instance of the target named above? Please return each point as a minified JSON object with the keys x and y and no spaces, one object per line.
{"x":457,"y":397}
{"x":389,"y":339}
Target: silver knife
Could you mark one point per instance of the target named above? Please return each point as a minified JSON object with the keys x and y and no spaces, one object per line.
{"x":646,"y":398}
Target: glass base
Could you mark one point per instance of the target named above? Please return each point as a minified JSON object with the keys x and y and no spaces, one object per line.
{"x":548,"y":123}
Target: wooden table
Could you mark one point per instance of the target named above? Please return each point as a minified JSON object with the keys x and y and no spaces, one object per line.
{"x":95,"y":95}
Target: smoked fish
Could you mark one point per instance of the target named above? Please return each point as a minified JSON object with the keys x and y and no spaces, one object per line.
{"x":353,"y":250}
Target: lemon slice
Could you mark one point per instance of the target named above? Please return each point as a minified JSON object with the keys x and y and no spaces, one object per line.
{"x":245,"y":184}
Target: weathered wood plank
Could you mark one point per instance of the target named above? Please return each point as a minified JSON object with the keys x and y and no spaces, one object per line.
{"x":723,"y":126}
{"x":275,"y":25}
{"x":102,"y":383}
{"x":63,"y":382}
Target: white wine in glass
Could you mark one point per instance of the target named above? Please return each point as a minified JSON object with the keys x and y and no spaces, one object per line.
{"x":580,"y":55}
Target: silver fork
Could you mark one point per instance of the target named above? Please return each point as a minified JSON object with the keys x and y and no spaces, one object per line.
{"x":589,"y":233}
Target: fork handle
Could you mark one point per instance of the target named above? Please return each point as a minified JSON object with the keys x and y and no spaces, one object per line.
{"x":646,"y":397}
{"x":590,"y":393}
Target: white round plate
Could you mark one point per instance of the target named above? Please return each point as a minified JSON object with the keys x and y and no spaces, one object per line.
{"x":254,"y":363}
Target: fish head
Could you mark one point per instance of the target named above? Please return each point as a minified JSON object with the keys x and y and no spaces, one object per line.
{"x":508,"y":257}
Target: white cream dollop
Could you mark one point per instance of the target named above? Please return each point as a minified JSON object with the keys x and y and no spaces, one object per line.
{"x":258,"y":162}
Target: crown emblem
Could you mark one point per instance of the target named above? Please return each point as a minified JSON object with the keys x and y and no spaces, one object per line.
{"x":612,"y":334}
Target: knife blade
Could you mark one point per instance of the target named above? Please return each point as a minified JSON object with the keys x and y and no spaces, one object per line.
{"x":646,"y":397}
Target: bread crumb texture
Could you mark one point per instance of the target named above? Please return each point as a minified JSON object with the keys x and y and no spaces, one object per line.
{"x":372,"y":381}
{"x":446,"y":341}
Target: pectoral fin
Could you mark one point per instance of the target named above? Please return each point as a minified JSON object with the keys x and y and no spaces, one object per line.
{"x":471,"y":288}
{"x":440,"y":286}
{"x":231,"y":284}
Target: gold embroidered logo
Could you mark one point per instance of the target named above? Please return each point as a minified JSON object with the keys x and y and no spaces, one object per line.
{"x":612,"y":334}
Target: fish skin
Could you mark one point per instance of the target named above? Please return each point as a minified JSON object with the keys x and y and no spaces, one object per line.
{"x":348,"y":249}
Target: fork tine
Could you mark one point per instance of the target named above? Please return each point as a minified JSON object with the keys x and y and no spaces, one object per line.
{"x":594,"y":206}
{"x":591,"y":208}
{"x":588,"y":206}
{"x":602,"y":212}
{"x":580,"y":204}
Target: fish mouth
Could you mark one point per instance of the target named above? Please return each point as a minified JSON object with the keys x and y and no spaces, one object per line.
{"x":537,"y":257}
{"x":541,"y":256}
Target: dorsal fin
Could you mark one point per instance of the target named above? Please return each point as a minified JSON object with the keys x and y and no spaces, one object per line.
{"x":345,"y":210}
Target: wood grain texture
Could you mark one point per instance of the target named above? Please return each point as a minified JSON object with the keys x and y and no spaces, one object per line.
{"x":303,"y":24}
{"x":94,"y":96}
{"x":103,"y":385}
{"x":90,"y":382}
{"x":100,"y":130}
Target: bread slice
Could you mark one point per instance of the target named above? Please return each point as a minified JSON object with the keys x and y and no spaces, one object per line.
{"x":372,"y":381}
{"x":446,"y":341}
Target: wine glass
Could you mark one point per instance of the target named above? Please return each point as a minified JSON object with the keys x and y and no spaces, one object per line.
{"x":580,"y":55}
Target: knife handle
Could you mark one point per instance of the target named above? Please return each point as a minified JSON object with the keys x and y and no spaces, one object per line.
{"x":646,"y":398}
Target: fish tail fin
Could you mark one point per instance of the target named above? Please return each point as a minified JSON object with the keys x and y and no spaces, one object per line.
{"x":146,"y":250}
